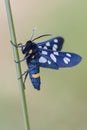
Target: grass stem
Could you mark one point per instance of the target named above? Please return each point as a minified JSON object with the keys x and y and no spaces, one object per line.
{"x":18,"y":66}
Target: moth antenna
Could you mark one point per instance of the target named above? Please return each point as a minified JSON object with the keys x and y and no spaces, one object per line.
{"x":32,"y":34}
{"x":41,"y":36}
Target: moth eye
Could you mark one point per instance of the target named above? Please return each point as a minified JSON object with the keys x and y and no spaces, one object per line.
{"x":30,"y":51}
{"x":23,"y":47}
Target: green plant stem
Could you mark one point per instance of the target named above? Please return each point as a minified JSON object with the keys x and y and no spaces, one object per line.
{"x":18,"y":67}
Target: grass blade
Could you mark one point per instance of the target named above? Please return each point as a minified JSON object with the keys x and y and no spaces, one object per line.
{"x":18,"y":67}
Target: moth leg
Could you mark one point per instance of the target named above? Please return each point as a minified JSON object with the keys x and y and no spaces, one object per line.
{"x":22,"y":59}
{"x":25,"y":76}
{"x":20,"y":45}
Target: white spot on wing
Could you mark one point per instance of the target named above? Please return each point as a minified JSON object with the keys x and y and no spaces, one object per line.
{"x":45,"y":47}
{"x":42,"y":59}
{"x":40,"y":46}
{"x":56,"y":53}
{"x":67,"y":54}
{"x":49,"y":62}
{"x":44,"y":52}
{"x":48,"y":44}
{"x":56,"y":40}
{"x":66,"y":60}
{"x":54,"y":49}
{"x":55,"y":46}
{"x":53,"y":57}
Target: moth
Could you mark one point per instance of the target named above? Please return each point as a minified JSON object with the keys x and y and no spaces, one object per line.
{"x":45,"y":54}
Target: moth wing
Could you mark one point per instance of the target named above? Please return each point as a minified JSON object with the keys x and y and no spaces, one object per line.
{"x":68,"y":59}
{"x":55,"y":60}
{"x":54,"y":44}
{"x":45,"y":60}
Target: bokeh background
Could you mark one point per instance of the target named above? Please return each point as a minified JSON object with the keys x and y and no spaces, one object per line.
{"x":61,"y":104}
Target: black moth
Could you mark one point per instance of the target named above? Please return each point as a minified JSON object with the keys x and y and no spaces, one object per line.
{"x":45,"y":54}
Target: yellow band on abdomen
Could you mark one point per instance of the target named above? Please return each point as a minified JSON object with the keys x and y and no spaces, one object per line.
{"x":36,"y":75}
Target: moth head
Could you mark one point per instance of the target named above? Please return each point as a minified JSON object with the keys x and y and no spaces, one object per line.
{"x":27,"y":47}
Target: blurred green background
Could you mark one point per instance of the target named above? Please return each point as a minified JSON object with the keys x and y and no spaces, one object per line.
{"x":61,"y":104}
